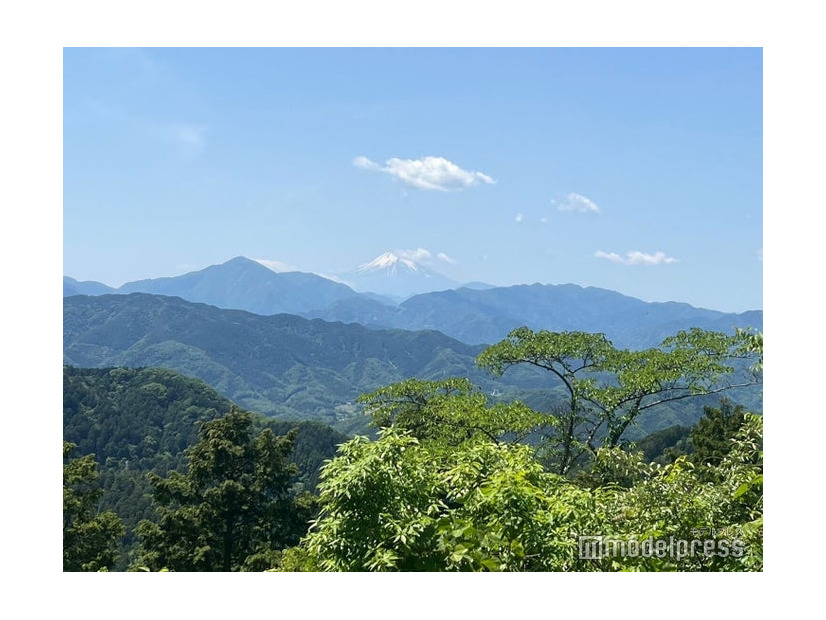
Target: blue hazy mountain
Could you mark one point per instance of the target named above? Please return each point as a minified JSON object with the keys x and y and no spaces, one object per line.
{"x":473,"y":315}
{"x":241,"y":284}
{"x":485,"y":316}
{"x":88,"y":287}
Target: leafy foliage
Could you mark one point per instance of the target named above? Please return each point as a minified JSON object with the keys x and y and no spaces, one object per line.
{"x":90,"y":539}
{"x":400,"y":503}
{"x":607,"y":389}
{"x":722,"y":504}
{"x":451,"y":411}
{"x":439,"y":491}
{"x":397,"y":504}
{"x":711,"y":436}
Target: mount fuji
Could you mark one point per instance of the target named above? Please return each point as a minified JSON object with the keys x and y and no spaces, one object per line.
{"x":397,"y":276}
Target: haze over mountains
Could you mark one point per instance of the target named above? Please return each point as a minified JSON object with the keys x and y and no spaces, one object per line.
{"x":474,"y":314}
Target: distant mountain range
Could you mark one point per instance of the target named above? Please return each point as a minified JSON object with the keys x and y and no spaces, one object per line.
{"x":476,"y":314}
{"x":486,"y":316}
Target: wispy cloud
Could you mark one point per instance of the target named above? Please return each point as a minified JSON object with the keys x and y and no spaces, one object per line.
{"x":276,"y":265}
{"x":335,"y":278}
{"x":419,"y":254}
{"x":425,"y":256}
{"x":193,"y":135}
{"x":760,"y":254}
{"x":518,"y":218}
{"x":190,"y":139}
{"x":139,"y":76}
{"x":635,"y":257}
{"x":576,"y":202}
{"x":429,"y":172}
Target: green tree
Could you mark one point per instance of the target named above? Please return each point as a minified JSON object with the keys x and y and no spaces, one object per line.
{"x":90,"y":539}
{"x":450,"y":411}
{"x":712,"y":435}
{"x":234,"y":509}
{"x":401,"y":504}
{"x":450,"y":484}
{"x":664,"y":446}
{"x":719,"y":505}
{"x":606,"y":389}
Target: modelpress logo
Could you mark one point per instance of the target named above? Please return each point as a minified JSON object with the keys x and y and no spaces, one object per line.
{"x":600,"y":547}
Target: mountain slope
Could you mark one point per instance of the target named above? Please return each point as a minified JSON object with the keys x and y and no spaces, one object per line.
{"x":244,"y":284}
{"x":290,"y":367}
{"x":88,"y":287}
{"x":279,"y":365}
{"x":486,"y":316}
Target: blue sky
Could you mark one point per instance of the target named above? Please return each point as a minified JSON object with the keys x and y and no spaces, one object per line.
{"x":634,"y":169}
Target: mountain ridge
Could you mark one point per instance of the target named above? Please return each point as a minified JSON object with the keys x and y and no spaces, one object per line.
{"x":239,"y":283}
{"x":473,"y":315}
{"x":485,"y":316}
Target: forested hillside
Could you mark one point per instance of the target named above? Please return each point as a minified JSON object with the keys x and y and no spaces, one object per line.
{"x":140,"y":420}
{"x":295,"y":368}
{"x":279,"y":365}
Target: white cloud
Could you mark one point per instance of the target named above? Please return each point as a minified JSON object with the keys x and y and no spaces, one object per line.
{"x":424,"y":256}
{"x":426,"y":173}
{"x":518,"y":218}
{"x":760,"y":254}
{"x":576,"y":202}
{"x":188,"y":139}
{"x":418,"y":255}
{"x":276,"y":265}
{"x":334,"y":278}
{"x":543,"y":220}
{"x":635,"y":257}
{"x":363,"y":162}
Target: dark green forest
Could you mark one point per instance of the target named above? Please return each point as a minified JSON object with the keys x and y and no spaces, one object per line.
{"x":163,"y":473}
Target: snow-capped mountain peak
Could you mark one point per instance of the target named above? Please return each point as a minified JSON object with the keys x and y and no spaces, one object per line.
{"x":389,"y":262}
{"x":398,"y":274}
